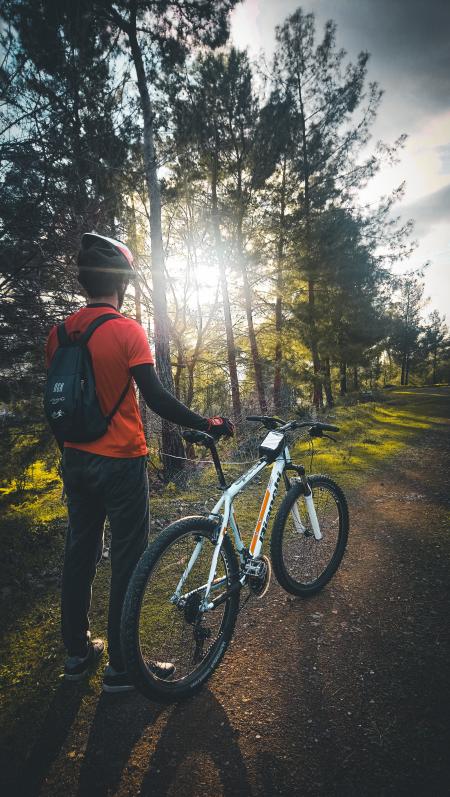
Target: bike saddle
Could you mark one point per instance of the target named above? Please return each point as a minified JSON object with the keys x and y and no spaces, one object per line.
{"x":199,"y":438}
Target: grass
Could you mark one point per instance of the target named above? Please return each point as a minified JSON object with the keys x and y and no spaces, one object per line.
{"x":32,"y":533}
{"x":371,"y":433}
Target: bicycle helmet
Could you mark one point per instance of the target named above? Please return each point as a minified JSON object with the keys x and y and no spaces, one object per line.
{"x":100,"y":253}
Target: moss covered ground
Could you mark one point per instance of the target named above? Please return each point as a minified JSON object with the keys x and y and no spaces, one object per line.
{"x":32,"y":698}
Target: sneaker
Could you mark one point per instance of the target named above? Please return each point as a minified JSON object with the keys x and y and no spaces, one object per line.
{"x":76,"y":667}
{"x":114,"y":681}
{"x":162,"y":669}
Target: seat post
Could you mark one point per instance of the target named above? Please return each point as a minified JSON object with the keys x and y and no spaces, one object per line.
{"x":218,"y":466}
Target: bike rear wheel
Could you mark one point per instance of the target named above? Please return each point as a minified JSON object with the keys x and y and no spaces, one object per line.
{"x":303,"y":564}
{"x":158,"y":627}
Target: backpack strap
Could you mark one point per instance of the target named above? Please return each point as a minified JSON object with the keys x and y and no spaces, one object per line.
{"x":119,"y":402}
{"x":63,"y":337}
{"x":83,"y":339}
{"x":65,"y":340}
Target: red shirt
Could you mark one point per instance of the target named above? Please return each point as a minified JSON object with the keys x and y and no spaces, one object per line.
{"x":115,"y":347}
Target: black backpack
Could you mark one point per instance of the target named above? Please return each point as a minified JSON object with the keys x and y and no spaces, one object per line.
{"x":70,"y":401}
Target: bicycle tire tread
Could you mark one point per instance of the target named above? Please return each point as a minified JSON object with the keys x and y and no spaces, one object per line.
{"x":143,"y":680}
{"x":276,"y":546}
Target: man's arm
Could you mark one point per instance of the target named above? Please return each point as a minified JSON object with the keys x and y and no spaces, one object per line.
{"x":164,"y":403}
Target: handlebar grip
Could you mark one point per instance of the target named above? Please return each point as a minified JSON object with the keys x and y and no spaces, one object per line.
{"x":198,"y":438}
{"x":255,"y":418}
{"x":327,"y":427}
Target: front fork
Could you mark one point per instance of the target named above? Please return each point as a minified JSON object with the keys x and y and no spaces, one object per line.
{"x":311,"y":509}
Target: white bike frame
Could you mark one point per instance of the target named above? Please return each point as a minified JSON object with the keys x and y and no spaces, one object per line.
{"x":225,"y":503}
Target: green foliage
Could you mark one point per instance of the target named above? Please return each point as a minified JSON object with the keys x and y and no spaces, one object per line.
{"x":305,"y":267}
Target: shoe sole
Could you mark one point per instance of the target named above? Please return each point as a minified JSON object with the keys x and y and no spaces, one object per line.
{"x":78,"y":677}
{"x":113,"y":689}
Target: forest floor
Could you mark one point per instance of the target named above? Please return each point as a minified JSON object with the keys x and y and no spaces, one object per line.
{"x":346,"y":693}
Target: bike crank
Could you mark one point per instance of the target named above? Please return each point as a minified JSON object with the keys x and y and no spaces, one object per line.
{"x":259,"y":575}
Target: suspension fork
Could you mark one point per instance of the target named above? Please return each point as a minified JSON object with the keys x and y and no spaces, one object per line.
{"x":307,"y":494}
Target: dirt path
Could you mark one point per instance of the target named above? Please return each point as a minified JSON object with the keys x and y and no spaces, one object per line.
{"x":347,"y":693}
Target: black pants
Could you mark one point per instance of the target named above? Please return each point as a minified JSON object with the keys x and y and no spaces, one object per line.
{"x":99,"y":487}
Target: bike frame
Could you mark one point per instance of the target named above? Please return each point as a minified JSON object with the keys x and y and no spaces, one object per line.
{"x":224,"y":510}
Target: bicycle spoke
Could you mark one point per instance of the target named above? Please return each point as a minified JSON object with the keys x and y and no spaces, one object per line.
{"x":177,"y":634}
{"x":305,"y":558}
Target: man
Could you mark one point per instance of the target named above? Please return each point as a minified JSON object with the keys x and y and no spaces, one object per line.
{"x":107,"y":477}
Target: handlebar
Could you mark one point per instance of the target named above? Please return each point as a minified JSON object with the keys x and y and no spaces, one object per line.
{"x":316,"y":429}
{"x":272,"y":422}
{"x":269,"y":421}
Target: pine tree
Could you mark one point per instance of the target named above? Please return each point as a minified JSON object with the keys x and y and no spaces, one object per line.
{"x":332,"y":111}
{"x":64,"y":149}
{"x":158,"y":43}
{"x":407,"y":323}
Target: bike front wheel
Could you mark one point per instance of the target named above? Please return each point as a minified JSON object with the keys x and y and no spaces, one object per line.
{"x":302,"y":563}
{"x":164,"y":622}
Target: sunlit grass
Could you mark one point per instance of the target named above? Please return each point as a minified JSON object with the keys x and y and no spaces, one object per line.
{"x":33,"y":521}
{"x":371,"y":433}
{"x":36,"y":498}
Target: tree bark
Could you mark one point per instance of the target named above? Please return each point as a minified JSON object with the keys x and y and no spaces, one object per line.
{"x":257,"y":366}
{"x":143,"y":409}
{"x":178,"y":371}
{"x":327,"y":382}
{"x":190,"y":388}
{"x":343,"y":377}
{"x":279,"y":297}
{"x":171,"y":439}
{"x":231,"y":349}
{"x":407,"y":367}
{"x":317,"y":384}
{"x":355,"y":378}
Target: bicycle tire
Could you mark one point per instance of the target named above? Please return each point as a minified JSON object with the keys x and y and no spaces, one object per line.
{"x":148,"y":684}
{"x":280,"y":534}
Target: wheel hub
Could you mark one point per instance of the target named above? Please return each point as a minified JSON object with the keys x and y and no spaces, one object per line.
{"x":192,"y":608}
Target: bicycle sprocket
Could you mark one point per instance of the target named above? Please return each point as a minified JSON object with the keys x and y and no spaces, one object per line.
{"x":259,"y":583}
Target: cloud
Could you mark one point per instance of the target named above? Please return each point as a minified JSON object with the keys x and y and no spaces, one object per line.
{"x":408,"y":40}
{"x":429,"y":211}
{"x":444,"y":156}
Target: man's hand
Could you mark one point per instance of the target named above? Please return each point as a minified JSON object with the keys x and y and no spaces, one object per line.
{"x":220,"y":427}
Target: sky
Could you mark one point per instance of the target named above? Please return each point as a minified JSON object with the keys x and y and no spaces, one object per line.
{"x":409,"y":43}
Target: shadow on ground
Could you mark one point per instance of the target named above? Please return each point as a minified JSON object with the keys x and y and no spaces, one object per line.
{"x":197,"y":744}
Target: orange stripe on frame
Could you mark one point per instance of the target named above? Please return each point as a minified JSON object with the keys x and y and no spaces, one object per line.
{"x":260,"y":520}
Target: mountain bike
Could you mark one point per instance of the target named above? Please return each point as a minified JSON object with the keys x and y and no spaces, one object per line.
{"x":183,"y":598}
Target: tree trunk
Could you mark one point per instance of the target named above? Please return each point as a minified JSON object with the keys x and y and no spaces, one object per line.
{"x":190,"y":388}
{"x":178,"y":372}
{"x":327,"y":382}
{"x":407,"y":367}
{"x":355,"y":378}
{"x":143,"y":409}
{"x":279,"y":298}
{"x":257,"y":366}
{"x":317,"y":384}
{"x":171,"y":440}
{"x":343,"y":377}
{"x":231,"y":349}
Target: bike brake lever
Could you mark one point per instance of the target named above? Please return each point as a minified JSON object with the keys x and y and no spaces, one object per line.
{"x":330,"y":437}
